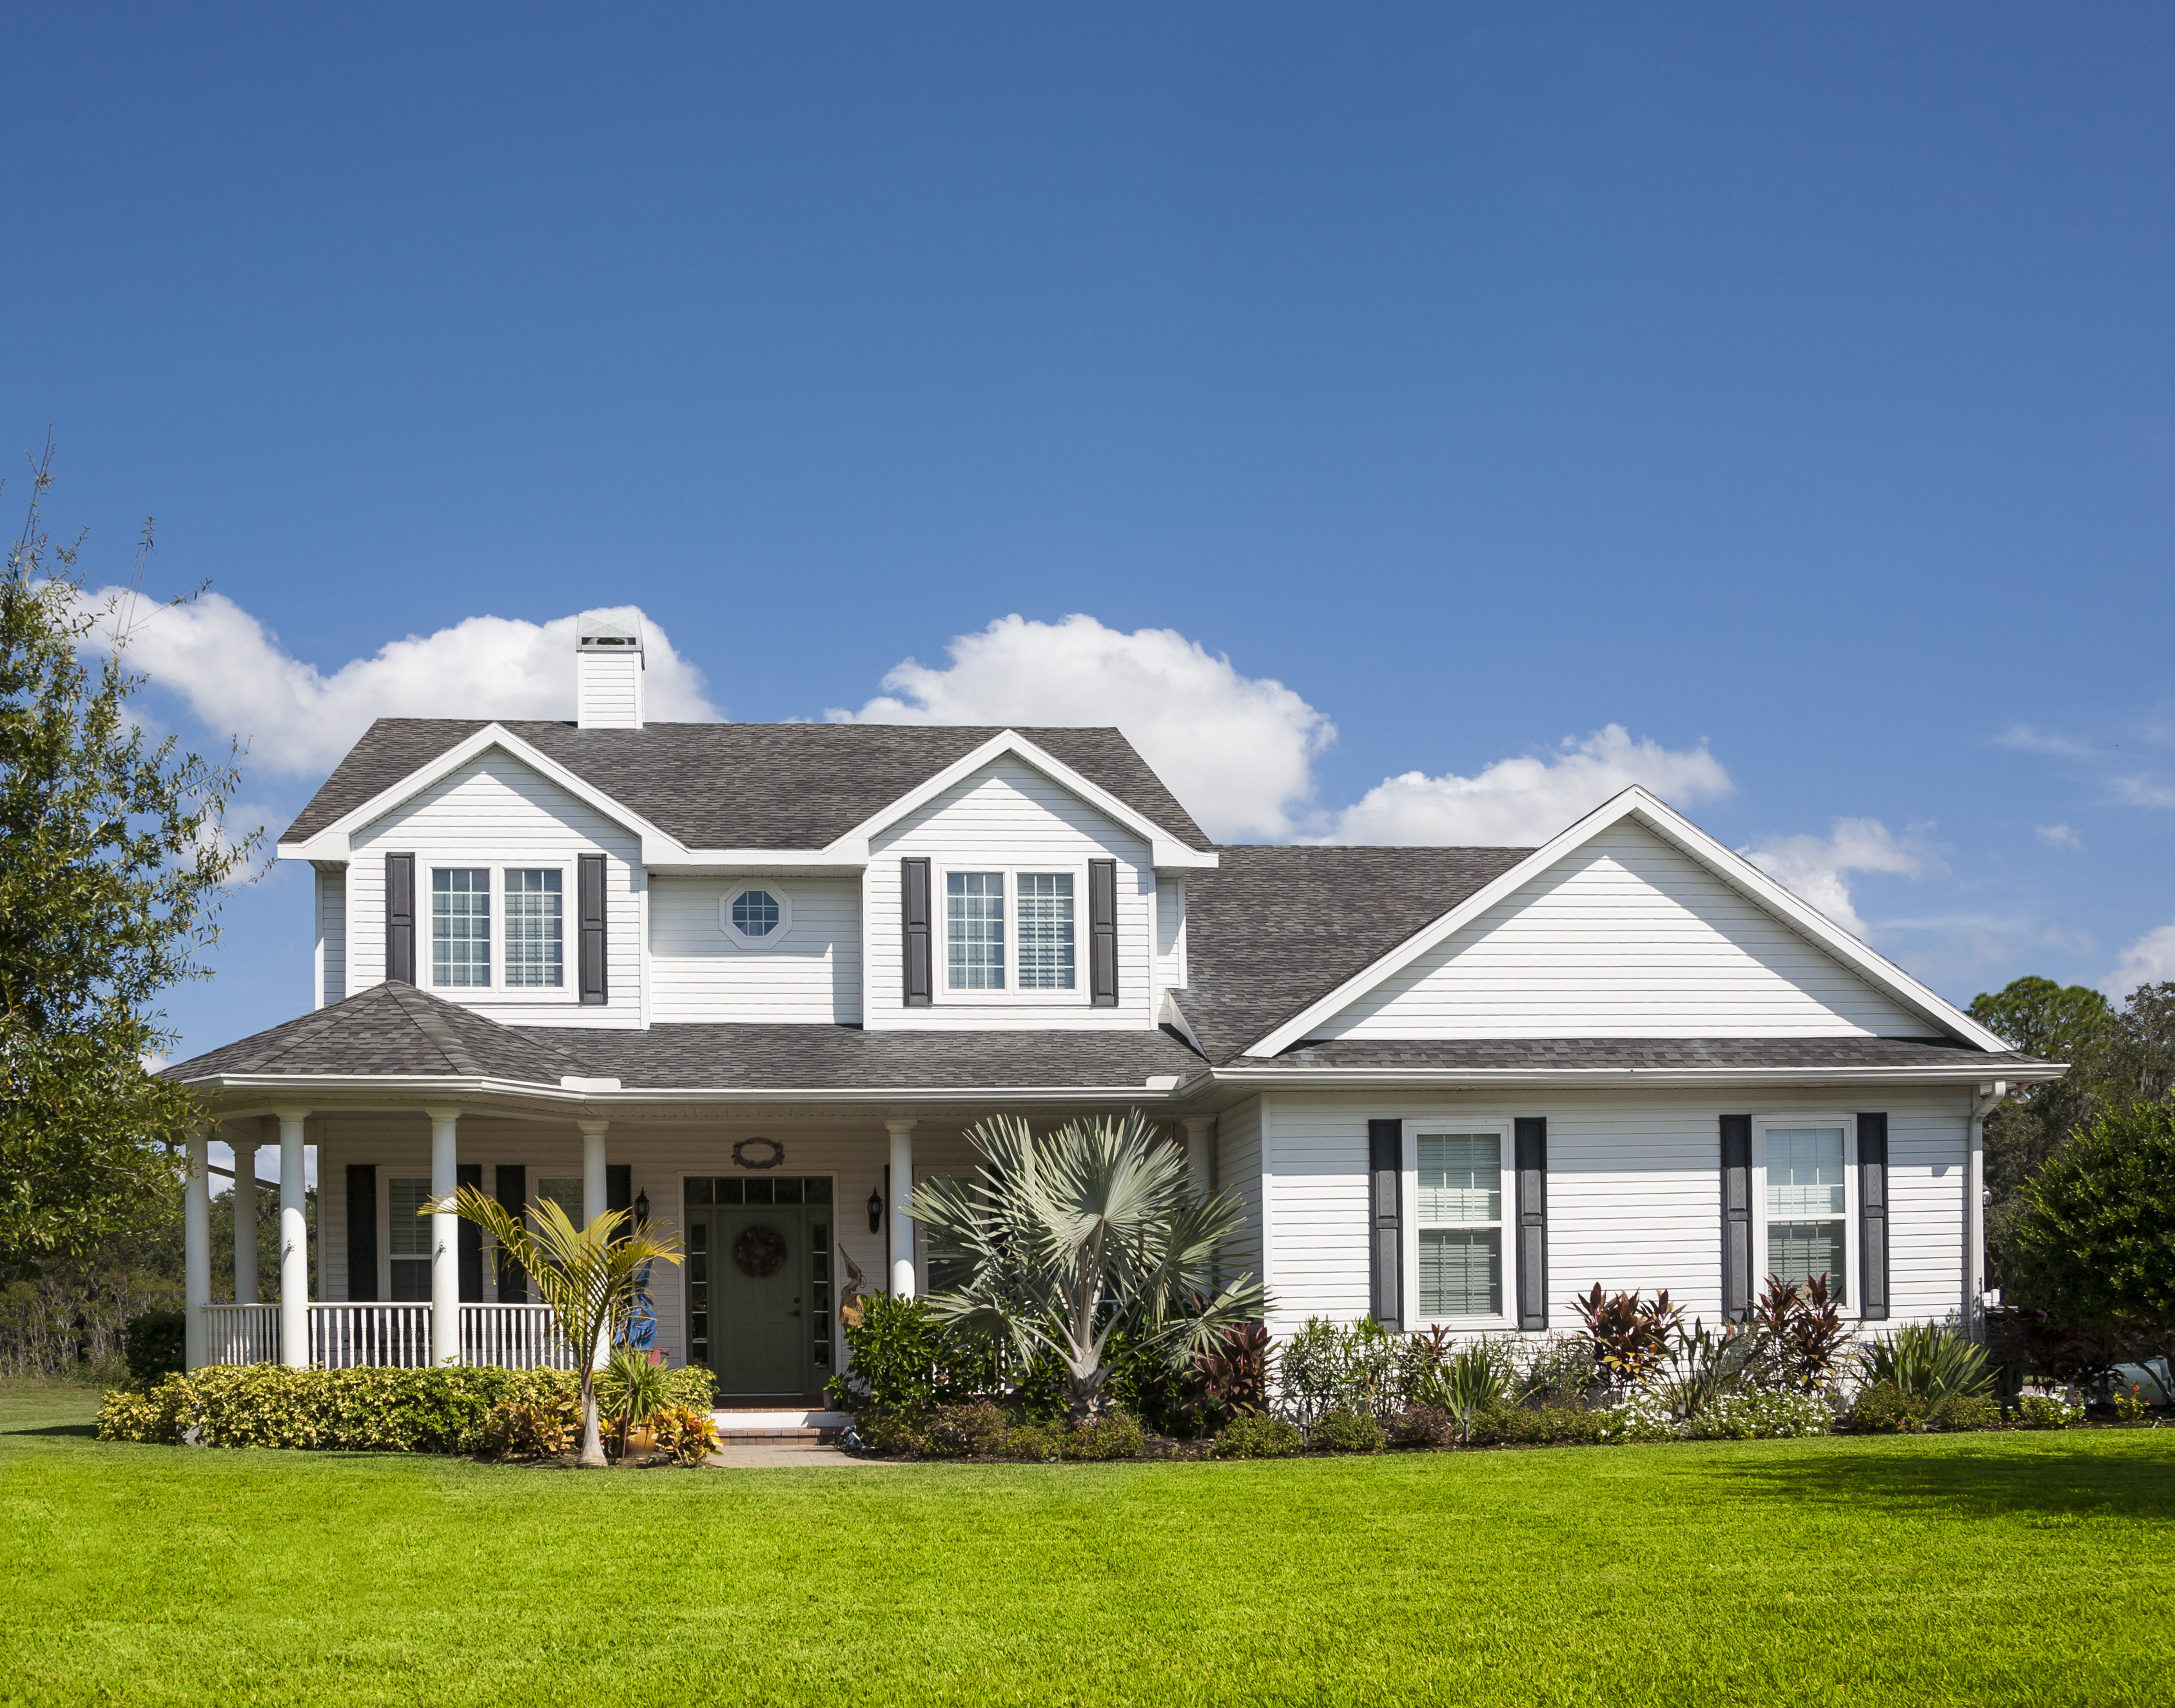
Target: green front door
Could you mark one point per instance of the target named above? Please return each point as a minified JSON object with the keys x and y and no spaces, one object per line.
{"x":759,"y":1294}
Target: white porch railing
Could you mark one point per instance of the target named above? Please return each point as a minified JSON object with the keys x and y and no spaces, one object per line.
{"x":345,"y":1337}
{"x":513,"y":1338}
{"x":242,"y":1334}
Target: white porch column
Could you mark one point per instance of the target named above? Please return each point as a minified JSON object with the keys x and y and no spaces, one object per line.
{"x":196,"y":1250}
{"x":293,"y":1244}
{"x":245,"y":1217}
{"x":1201,"y":1152}
{"x":594,"y":1193}
{"x":445,"y":1239}
{"x":902,"y":1188}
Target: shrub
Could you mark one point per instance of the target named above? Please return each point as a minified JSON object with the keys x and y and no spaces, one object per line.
{"x":2041,"y":1408}
{"x":975,"y":1430}
{"x":631,"y":1390}
{"x":1472,"y":1380}
{"x":1888,"y":1408}
{"x":1258,"y":1435}
{"x":685,"y":1435}
{"x":1930,"y":1361}
{"x":1114,"y":1435}
{"x":2095,"y":1233}
{"x":1549,"y":1425}
{"x":517,"y":1431}
{"x":1631,"y":1334}
{"x":1041,"y":1439}
{"x":156,"y":1344}
{"x":1758,"y":1416}
{"x":1347,"y":1431}
{"x":1640,"y":1417}
{"x":691,"y":1388}
{"x":1966,"y":1411}
{"x":902,"y":1361}
{"x":1235,"y":1371}
{"x":441,"y":1411}
{"x":1800,"y":1334}
{"x":1559,"y":1368}
{"x":2129,"y":1403}
{"x":884,"y":1429}
{"x":1331,"y":1367}
{"x":1423,"y":1426}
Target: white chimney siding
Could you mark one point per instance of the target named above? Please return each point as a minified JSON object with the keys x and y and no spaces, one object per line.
{"x":608,"y":677}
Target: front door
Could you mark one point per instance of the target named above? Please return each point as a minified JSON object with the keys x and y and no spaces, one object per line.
{"x":759,"y":1303}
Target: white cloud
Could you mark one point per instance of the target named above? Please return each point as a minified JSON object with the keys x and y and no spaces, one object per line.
{"x":235,"y":676}
{"x":1813,"y":867}
{"x":1238,"y":751}
{"x":2148,"y":961}
{"x":1524,"y":801}
{"x":2059,"y":836}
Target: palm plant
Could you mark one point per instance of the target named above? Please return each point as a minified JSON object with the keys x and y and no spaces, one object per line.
{"x":1470,"y":1381}
{"x":588,"y":1275}
{"x":1930,"y":1360}
{"x":631,"y":1390}
{"x":1082,"y":1235}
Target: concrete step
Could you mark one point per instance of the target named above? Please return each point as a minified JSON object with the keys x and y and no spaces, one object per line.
{"x":780,"y":1425}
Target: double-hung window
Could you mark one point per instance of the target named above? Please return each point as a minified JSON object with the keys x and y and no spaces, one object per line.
{"x":1807,"y":1206}
{"x":498,"y":928}
{"x":1014,"y":931}
{"x":410,"y":1241}
{"x":1461,"y":1224}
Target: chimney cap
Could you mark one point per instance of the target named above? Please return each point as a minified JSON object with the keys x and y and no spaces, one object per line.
{"x":606,"y":634}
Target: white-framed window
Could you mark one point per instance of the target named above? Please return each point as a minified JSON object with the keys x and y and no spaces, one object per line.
{"x":1461,"y":1172}
{"x":1805,"y":1200}
{"x":756,"y":914}
{"x":566,"y":1193}
{"x":499,"y":928}
{"x":1012,"y":933}
{"x":409,"y":1240}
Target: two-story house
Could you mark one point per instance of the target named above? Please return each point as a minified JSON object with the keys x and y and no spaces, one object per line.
{"x":759,"y":979}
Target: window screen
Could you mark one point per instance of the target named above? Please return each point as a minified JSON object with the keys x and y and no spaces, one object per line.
{"x":1460,"y":1177}
{"x":1807,"y":1200}
{"x":974,"y":930}
{"x":1045,"y":930}
{"x":1461,"y":1271}
{"x":535,"y":929}
{"x":460,"y":926}
{"x":1461,"y":1215}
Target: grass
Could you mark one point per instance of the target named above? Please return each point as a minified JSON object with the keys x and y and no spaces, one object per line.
{"x":1984,"y":1569}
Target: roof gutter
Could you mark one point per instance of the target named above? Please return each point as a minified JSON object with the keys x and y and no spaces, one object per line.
{"x":1477,"y":1079}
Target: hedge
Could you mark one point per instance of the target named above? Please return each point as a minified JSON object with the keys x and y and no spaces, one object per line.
{"x":358,"y":1411}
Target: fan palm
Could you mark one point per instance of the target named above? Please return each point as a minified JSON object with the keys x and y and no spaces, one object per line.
{"x":1087,"y":1232}
{"x":588,"y":1275}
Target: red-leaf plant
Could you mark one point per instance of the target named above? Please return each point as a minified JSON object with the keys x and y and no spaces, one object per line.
{"x":1800,"y":1332}
{"x":1631,"y":1334}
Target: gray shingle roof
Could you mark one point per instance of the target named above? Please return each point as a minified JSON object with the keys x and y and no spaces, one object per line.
{"x":1602,"y":1054}
{"x":398,"y":1030}
{"x":1274,"y":928}
{"x":744,"y":785}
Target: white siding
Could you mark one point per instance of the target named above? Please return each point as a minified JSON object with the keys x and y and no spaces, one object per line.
{"x":331,"y":897}
{"x":1627,"y":937}
{"x":1239,"y":1173}
{"x":1008,"y":814}
{"x":1634,"y":1193}
{"x":813,"y":974}
{"x":1170,"y":933}
{"x":607,"y":690}
{"x":495,"y":810}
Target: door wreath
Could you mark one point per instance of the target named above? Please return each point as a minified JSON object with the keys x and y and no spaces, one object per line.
{"x":760,"y":1251}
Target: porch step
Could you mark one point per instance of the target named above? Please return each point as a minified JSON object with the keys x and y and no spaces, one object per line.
{"x":780,"y":1425}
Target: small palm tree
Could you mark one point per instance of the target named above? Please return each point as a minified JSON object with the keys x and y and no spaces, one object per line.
{"x":1088,"y":1232}
{"x":588,"y":1275}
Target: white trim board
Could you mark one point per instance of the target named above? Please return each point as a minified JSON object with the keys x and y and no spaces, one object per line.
{"x":1672,"y":827}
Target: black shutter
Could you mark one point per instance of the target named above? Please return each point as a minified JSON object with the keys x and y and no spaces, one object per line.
{"x":361,"y":1232}
{"x":468,"y":1250}
{"x":595,"y":988}
{"x":1385,"y":1162}
{"x":1530,"y":1140}
{"x":914,"y":928}
{"x":1737,"y":1216}
{"x":1873,"y":1216}
{"x":1103,"y":932}
{"x":619,"y":1185}
{"x":513,"y":1196}
{"x":400,"y":918}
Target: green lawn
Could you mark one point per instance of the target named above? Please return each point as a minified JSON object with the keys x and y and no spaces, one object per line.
{"x":1979,"y":1569}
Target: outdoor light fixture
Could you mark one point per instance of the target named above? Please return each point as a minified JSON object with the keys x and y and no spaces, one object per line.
{"x":876,"y":1211}
{"x":642,"y":1210}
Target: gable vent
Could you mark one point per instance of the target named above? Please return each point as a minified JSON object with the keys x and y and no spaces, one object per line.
{"x":607,"y":675}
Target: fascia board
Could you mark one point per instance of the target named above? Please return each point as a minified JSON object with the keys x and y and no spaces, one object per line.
{"x":360,"y":1091}
{"x":332,"y":842}
{"x":1732,"y":868}
{"x":1572,"y":1078}
{"x":1166,"y":852}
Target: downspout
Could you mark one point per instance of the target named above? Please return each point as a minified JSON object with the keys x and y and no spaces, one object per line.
{"x":1990,"y":1097}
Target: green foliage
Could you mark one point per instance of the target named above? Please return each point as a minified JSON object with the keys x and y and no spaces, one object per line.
{"x":1552,"y":1424}
{"x":1113,"y":1434}
{"x":357,"y":1411}
{"x":975,"y":1430}
{"x":2129,"y":1404}
{"x":156,"y":1345}
{"x":631,"y":1390}
{"x":2045,"y":1411}
{"x":1425,"y":1426}
{"x":1257,"y":1436}
{"x":114,"y":860}
{"x":1888,"y":1408}
{"x":685,"y":1435}
{"x":1347,"y":1432}
{"x":1331,"y":1366}
{"x":1088,"y":1233}
{"x":518,"y":1430}
{"x":1475,"y":1378}
{"x":1956,"y":1411}
{"x":1760,"y":1416}
{"x":1929,"y":1360}
{"x":902,"y":1359}
{"x":2094,"y":1237}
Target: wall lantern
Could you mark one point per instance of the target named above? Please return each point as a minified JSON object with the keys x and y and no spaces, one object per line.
{"x":641,"y":1211}
{"x":876,"y":1211}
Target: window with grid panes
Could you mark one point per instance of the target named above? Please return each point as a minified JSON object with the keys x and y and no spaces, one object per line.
{"x":1807,"y":1204}
{"x":535,"y":928}
{"x":566,"y":1193}
{"x":409,"y":1240}
{"x":1461,"y":1224}
{"x":1045,"y":930}
{"x":460,"y":926}
{"x":974,"y":930}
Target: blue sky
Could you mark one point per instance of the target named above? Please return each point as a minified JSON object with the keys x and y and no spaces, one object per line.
{"x":1791,"y":391}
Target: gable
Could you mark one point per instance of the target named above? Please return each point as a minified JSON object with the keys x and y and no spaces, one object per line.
{"x":1626,"y":935}
{"x":498,"y":806}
